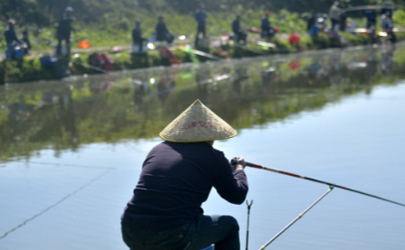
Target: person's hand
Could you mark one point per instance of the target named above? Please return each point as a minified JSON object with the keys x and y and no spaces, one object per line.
{"x":240,"y":164}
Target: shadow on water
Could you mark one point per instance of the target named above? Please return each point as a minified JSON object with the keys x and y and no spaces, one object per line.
{"x":135,"y":105}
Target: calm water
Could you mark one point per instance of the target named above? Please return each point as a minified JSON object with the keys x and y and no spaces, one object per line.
{"x":71,"y":151}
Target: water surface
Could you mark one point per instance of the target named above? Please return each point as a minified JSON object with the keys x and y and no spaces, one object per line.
{"x":71,"y":151}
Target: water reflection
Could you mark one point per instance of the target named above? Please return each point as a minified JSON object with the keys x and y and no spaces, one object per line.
{"x":134,"y":105}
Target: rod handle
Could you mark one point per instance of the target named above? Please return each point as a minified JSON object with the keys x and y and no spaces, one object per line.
{"x":234,"y":162}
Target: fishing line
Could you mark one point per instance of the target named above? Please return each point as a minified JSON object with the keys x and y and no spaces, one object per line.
{"x":53,"y":205}
{"x":64,"y":165}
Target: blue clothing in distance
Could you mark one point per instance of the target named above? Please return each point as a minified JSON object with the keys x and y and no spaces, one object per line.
{"x":370,"y":14}
{"x":64,"y":28}
{"x":137,"y":35}
{"x":176,"y":179}
{"x":265,"y":24}
{"x":161,"y":31}
{"x":200,"y":17}
{"x":236,"y":26}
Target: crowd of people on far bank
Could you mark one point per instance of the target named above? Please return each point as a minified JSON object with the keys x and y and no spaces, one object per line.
{"x":16,"y":48}
{"x":338,"y":17}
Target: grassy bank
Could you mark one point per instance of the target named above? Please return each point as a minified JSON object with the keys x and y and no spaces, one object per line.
{"x":30,"y":69}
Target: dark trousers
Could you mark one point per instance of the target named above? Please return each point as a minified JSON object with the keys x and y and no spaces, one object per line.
{"x":223,"y":231}
{"x":371,"y":23}
{"x":240,"y":36}
{"x":169,"y":38}
{"x":267,"y":33}
{"x":10,"y":51}
{"x":59,"y":46}
{"x":334,"y":23}
{"x":140,"y":43}
{"x":200,"y":29}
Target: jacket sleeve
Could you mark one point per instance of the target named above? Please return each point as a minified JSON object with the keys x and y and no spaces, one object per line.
{"x":232,"y":187}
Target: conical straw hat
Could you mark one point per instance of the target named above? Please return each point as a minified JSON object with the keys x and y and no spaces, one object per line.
{"x":196,"y":124}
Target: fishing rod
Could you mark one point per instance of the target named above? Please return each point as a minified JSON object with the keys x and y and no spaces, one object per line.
{"x":89,"y":66}
{"x":233,"y":162}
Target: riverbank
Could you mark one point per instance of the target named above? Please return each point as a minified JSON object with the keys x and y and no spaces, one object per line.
{"x":31,"y":69}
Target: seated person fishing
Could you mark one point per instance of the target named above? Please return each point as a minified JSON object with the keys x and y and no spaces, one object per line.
{"x":162,"y":32}
{"x":137,"y":38}
{"x":240,"y":34}
{"x":177,"y":176}
{"x":27,"y":43}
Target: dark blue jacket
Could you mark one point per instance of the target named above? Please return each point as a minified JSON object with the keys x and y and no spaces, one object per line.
{"x":161,"y":31}
{"x":236,"y":28}
{"x":11,"y":36}
{"x":371,"y":15}
{"x":176,"y":179}
{"x":137,"y":35}
{"x":200,"y":17}
{"x":65,"y":27}
{"x":265,"y":24}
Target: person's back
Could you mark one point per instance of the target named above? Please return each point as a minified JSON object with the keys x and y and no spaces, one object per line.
{"x":236,"y":26}
{"x":200,"y":17}
{"x":177,"y":177}
{"x":190,"y":170}
{"x":311,"y":21}
{"x":65,"y":26}
{"x":161,"y":31}
{"x":334,"y":12}
{"x":266,"y":30}
{"x":10,"y":36}
{"x":265,"y":23}
{"x":137,"y":34}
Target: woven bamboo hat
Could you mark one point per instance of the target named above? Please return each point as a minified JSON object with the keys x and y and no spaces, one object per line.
{"x":197,"y":124}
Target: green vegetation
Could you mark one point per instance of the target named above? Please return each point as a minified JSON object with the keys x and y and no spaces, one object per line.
{"x":247,"y":93}
{"x":107,"y":23}
{"x":30,"y":69}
